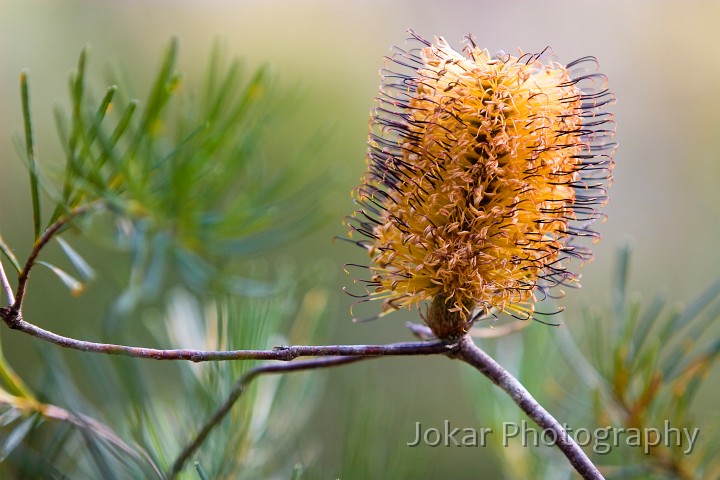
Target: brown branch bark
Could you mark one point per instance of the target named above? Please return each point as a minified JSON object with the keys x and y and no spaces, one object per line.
{"x":473,"y":355}
{"x":285,"y":353}
{"x":240,"y":388}
{"x":41,"y":242}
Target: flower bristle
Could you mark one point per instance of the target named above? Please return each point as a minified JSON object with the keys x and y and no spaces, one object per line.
{"x":482,"y":172}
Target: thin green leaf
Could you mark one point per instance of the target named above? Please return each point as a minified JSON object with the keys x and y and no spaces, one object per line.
{"x":217,"y":54}
{"x":619,"y":292}
{"x":697,"y":306}
{"x":157,"y":265}
{"x":139,"y":245}
{"x":83,"y":269}
{"x":99,"y":459}
{"x":227,"y":89}
{"x":297,"y":472}
{"x":708,"y":354}
{"x":124,"y":121}
{"x":710,"y":318}
{"x":162,"y":89}
{"x":649,"y":318}
{"x":647,"y":360}
{"x":10,"y":415}
{"x":254,"y":89}
{"x":8,"y":253}
{"x":11,"y":381}
{"x":16,"y":436}
{"x":577,"y":360}
{"x":200,"y":471}
{"x":62,"y":127}
{"x":692,"y":388}
{"x":688,"y":342}
{"x":57,"y":443}
{"x":711,"y":453}
{"x":75,"y":286}
{"x":632,"y":316}
{"x":152,"y":429}
{"x":92,"y":171}
{"x":72,"y":159}
{"x":108,"y":145}
{"x":248,"y":287}
{"x":196,"y":272}
{"x":31,"y":152}
{"x":77,"y":86}
{"x":104,"y":106}
{"x":58,"y":382}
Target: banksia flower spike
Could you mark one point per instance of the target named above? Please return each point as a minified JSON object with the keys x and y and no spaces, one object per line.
{"x":483,"y":171}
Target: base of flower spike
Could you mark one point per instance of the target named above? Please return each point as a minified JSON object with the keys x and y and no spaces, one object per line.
{"x":445,"y":320}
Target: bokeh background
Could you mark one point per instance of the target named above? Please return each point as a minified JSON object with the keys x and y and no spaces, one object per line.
{"x":660,"y":57}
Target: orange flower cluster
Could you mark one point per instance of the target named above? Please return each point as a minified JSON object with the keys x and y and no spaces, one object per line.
{"x":481,"y":171}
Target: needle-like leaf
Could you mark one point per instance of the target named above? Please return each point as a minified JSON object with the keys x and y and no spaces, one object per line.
{"x":31,"y":153}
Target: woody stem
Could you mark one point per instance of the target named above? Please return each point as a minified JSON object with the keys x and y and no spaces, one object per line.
{"x":473,"y":355}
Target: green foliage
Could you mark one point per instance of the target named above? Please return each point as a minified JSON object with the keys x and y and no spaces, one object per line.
{"x":8,"y":253}
{"x":653,"y":364}
{"x":642,"y":367}
{"x":185,"y":182}
{"x":374,"y":445}
{"x":182,"y":176}
{"x":256,"y":441}
{"x":31,"y":154}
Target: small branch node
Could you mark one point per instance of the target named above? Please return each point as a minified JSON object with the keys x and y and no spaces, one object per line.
{"x":286,"y":353}
{"x":12,"y":318}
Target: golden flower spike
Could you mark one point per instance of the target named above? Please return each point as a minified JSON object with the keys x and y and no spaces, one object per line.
{"x":483,"y":170}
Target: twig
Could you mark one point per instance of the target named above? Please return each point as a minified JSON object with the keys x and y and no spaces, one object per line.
{"x":81,"y":421}
{"x":41,"y":242}
{"x":473,"y":355}
{"x":285,"y":353}
{"x":240,"y":388}
{"x":47,"y":235}
{"x":95,"y":427}
{"x":6,"y":285}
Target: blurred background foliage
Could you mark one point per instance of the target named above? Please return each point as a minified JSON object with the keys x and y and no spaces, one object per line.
{"x":318,"y":61}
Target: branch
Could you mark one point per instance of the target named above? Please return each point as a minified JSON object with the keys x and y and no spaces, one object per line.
{"x":39,"y":244}
{"x":284,"y":353}
{"x":6,"y":285}
{"x":240,"y":388}
{"x":473,"y":355}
